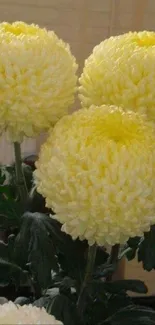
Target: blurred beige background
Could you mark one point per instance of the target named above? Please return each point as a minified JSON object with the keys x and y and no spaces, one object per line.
{"x":82,"y":23}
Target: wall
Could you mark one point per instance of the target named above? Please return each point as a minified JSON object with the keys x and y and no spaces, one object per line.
{"x":82,"y":23}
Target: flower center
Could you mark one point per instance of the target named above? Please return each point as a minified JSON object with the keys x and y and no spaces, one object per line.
{"x":19,"y":28}
{"x":119,"y":127}
{"x":146,"y":39}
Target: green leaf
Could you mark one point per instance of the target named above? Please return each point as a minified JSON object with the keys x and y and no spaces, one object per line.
{"x":126,"y":285}
{"x":10,"y":212}
{"x":10,"y":208}
{"x":6,"y":250}
{"x":146,"y":252}
{"x":9,"y":183}
{"x":116,"y":302}
{"x":66,"y":285}
{"x":72,"y":254}
{"x":121,"y":285}
{"x":11,"y":273}
{"x":52,"y":292}
{"x":134,"y":242}
{"x":42,"y":302}
{"x":132,"y":315}
{"x":63,"y":309}
{"x":3,"y":250}
{"x":131,"y":248}
{"x":36,"y":203}
{"x":46,"y":299}
{"x":102,"y":305}
{"x":22,"y":301}
{"x":34,"y":245}
{"x":11,"y":175}
{"x":131,"y":253}
{"x":2,"y":175}
{"x":5,"y":190}
{"x":103,"y":270}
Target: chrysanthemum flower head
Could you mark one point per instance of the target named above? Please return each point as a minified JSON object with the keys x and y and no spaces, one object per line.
{"x":37,"y":79}
{"x":120,"y":71}
{"x":27,"y":314}
{"x":97,"y":173}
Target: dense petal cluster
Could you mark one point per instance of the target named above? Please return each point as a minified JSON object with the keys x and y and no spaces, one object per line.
{"x":37,"y":79}
{"x":120,"y":71}
{"x":27,"y":314}
{"x":97,"y":173}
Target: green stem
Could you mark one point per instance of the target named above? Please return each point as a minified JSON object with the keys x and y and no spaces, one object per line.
{"x":20,"y":179}
{"x":88,"y":276}
{"x":113,"y":259}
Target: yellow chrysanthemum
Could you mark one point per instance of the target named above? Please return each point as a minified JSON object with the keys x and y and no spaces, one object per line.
{"x":120,"y":71}
{"x":97,"y":173}
{"x":27,"y":314}
{"x":37,"y":79}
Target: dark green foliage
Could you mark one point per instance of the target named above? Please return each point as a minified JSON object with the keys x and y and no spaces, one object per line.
{"x":102,"y":299}
{"x":103,"y":306}
{"x":131,"y":247}
{"x":7,"y":250}
{"x":61,"y":303}
{"x":10,"y":207}
{"x":63,"y":309}
{"x":34,"y":246}
{"x":11,"y":273}
{"x":131,"y":315}
{"x":144,"y":247}
{"x":36,"y":203}
{"x":146,"y":251}
{"x":116,"y":287}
